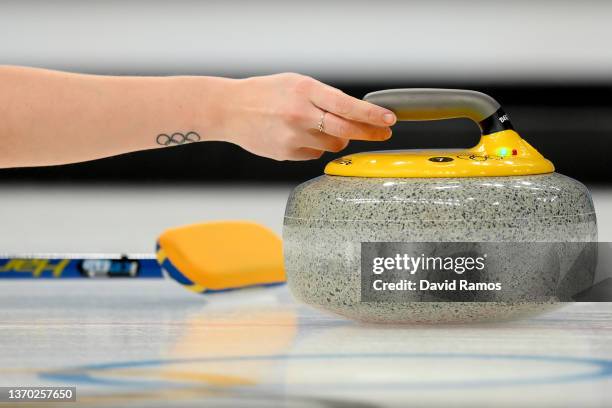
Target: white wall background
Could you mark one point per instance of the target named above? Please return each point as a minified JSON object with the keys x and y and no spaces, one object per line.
{"x":490,"y":40}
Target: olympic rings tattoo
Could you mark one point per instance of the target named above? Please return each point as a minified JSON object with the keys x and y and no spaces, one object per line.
{"x":177,"y":138}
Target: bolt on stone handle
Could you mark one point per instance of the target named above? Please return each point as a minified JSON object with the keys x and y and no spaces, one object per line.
{"x":419,"y":104}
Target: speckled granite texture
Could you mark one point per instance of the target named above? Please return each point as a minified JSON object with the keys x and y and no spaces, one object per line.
{"x":327,"y":218}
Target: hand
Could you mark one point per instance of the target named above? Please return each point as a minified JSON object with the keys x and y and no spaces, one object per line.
{"x":278,"y":116}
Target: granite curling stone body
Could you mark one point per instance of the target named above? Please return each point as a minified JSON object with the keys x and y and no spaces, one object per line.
{"x":500,"y":191}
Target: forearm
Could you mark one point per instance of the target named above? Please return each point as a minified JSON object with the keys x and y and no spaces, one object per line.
{"x":49,"y":117}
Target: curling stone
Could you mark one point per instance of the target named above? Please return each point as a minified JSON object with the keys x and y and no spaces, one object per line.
{"x":501,"y":195}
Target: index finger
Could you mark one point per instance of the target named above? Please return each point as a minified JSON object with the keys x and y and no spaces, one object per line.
{"x":337,"y":102}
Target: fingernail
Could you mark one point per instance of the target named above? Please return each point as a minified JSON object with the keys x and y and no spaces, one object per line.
{"x":386,"y":136}
{"x":389,"y":118}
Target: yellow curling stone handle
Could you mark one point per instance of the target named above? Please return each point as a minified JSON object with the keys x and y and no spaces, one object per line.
{"x":500,"y":152}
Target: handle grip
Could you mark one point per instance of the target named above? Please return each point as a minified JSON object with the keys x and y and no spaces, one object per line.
{"x":415,"y":104}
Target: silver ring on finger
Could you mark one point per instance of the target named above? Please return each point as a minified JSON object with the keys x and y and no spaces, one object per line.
{"x":321,"y":125}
